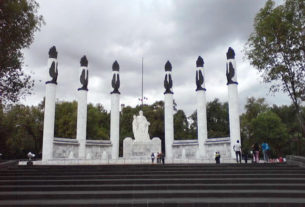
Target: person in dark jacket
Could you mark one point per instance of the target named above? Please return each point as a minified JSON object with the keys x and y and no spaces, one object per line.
{"x":255,"y":149}
{"x":217,"y":157}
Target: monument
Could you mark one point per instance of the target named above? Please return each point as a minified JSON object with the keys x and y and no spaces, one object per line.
{"x":140,"y":128}
{"x":141,"y":146}
{"x":58,"y":150}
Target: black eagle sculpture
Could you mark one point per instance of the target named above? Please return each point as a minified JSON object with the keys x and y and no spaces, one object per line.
{"x":168,"y":83}
{"x":199,"y":75}
{"x":230,"y":70}
{"x":115,"y":78}
{"x":53,"y":70}
{"x":84,"y":74}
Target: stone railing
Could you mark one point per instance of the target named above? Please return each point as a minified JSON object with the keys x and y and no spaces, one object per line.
{"x":295,"y":160}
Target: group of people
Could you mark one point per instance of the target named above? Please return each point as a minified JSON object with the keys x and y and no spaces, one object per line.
{"x":255,"y":152}
{"x":160,"y":157}
{"x":256,"y":149}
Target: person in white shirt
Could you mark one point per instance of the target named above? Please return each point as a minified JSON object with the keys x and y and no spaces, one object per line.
{"x":237,"y":149}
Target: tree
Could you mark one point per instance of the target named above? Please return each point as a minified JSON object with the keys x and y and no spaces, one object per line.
{"x":268,"y":127}
{"x":98,"y":122}
{"x":277,"y":49}
{"x":253,"y":107}
{"x":65,"y":119}
{"x":24,"y":129}
{"x":217,"y":120}
{"x":288,"y":116}
{"x":180,"y":125}
{"x":18,"y":23}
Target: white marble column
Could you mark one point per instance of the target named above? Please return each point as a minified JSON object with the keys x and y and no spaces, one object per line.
{"x":49,"y":107}
{"x":115,"y":125}
{"x":202,"y":129}
{"x":233,"y":116}
{"x":49,"y":121}
{"x":233,"y":100}
{"x":169,"y":125}
{"x":81,"y":130}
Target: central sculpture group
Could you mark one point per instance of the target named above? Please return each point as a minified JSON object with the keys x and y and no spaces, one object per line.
{"x":141,"y":146}
{"x":140,"y":128}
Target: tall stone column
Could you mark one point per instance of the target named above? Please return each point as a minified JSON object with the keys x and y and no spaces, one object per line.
{"x":232,"y":83}
{"x":49,"y":110}
{"x":202,"y":129}
{"x":168,"y":112}
{"x":81,"y":132}
{"x":115,"y":111}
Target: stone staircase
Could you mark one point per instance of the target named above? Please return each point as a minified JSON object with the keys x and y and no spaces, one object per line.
{"x":182,"y":185}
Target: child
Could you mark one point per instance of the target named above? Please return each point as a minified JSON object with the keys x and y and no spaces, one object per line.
{"x":217,"y":157}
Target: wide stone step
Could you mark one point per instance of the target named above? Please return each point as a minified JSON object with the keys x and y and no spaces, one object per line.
{"x":164,"y":202}
{"x":153,"y":181}
{"x":155,"y":166}
{"x":135,"y":194}
{"x":149,"y":176}
{"x":273,"y":185}
{"x":164,"y":171}
{"x":118,"y":187}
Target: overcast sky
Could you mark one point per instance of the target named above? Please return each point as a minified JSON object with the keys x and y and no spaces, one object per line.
{"x":157,"y":30}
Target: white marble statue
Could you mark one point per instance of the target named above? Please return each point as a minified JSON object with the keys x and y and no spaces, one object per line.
{"x":140,"y":128}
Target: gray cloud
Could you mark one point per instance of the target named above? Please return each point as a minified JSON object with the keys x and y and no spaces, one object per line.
{"x":157,"y":30}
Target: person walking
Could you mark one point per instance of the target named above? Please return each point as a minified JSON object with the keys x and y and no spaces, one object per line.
{"x":237,"y":149}
{"x":265,"y":149}
{"x":255,"y":149}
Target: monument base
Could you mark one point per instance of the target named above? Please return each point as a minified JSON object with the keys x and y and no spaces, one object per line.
{"x":140,"y":149}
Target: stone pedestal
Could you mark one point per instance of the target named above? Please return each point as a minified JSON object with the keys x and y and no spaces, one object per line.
{"x":233,"y":116}
{"x":202,"y":129}
{"x":82,"y":123}
{"x":140,"y":150}
{"x":115,"y":125}
{"x":49,"y":120}
{"x":169,"y":125}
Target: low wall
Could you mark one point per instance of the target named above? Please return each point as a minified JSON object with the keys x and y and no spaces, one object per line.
{"x":185,"y":149}
{"x":188,"y":149}
{"x":65,"y":148}
{"x":295,"y":160}
{"x":221,"y":145}
{"x":98,"y":149}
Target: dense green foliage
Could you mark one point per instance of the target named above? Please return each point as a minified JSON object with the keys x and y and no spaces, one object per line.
{"x":18,"y":23}
{"x":277,"y":125}
{"x":277,"y":49}
{"x":21,"y":127}
{"x":217,"y":120}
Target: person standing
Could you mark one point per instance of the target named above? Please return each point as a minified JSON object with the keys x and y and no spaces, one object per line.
{"x":237,"y":149}
{"x":162,"y":157}
{"x":217,"y":157}
{"x":245,"y":153}
{"x":265,"y":149}
{"x":152,"y":158}
{"x":255,"y":149}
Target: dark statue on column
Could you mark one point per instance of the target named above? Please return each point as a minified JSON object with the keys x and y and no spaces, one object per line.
{"x":168,"y":83}
{"x":115,"y":78}
{"x":53,"y":70}
{"x":84,"y":74}
{"x":230,"y":70}
{"x":199,"y":75}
